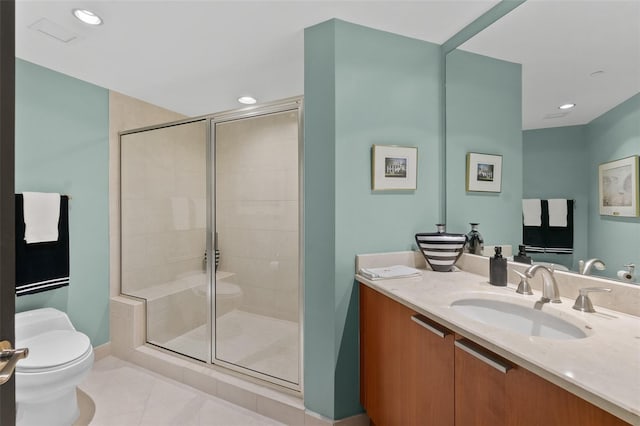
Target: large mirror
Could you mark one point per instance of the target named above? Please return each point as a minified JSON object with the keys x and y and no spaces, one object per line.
{"x":504,"y":88}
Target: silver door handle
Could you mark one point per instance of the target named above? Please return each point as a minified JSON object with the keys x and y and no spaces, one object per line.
{"x":417,"y":319}
{"x":495,"y":363}
{"x":9,"y":357}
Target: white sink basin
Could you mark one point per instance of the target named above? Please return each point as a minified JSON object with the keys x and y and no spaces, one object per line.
{"x":520,"y":319}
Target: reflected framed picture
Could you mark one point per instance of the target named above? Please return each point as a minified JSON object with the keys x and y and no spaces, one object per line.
{"x":394,"y":167}
{"x":484,"y":172}
{"x":618,"y":187}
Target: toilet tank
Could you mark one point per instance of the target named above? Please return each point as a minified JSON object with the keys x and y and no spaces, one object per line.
{"x":38,"y":321}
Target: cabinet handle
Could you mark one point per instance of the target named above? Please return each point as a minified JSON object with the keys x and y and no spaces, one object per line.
{"x":500,"y":366}
{"x":439,"y":333}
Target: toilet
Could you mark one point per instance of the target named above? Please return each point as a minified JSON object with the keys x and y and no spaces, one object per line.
{"x":59,"y":358}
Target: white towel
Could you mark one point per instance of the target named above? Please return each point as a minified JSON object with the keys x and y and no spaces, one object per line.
{"x":558,"y":212}
{"x":532,"y":212}
{"x":395,"y":271}
{"x":41,"y":216}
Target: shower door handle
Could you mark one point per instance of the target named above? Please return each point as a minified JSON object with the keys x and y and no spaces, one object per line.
{"x":9,"y":357}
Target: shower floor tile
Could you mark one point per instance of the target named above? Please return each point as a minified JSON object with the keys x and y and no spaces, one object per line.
{"x":260,"y":343}
{"x":122,"y":394}
{"x":257,"y":342}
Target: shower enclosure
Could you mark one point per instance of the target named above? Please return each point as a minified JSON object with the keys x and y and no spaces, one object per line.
{"x":210,"y":214}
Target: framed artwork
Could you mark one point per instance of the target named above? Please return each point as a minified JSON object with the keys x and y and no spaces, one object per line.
{"x":484,"y":172}
{"x":393,"y":167}
{"x":618,"y":187}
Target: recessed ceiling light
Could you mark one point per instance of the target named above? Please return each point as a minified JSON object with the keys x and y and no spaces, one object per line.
{"x":247,"y":100}
{"x":87,"y":16}
{"x":567,"y":106}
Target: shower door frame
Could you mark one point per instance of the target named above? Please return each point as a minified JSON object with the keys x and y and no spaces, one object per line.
{"x":289,"y":104}
{"x":206,"y":119}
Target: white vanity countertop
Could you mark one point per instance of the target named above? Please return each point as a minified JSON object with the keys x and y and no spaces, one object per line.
{"x":603,"y":368}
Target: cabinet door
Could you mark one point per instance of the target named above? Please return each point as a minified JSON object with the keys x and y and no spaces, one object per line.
{"x":383,"y":358}
{"x":480,"y":386}
{"x":431,"y":393}
{"x":406,"y":364}
{"x":535,"y":401}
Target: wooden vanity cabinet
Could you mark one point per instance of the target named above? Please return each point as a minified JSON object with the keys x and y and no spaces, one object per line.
{"x":406,"y":364}
{"x":480,"y":385}
{"x":416,"y":372}
{"x":533,"y":401}
{"x":490,"y":390}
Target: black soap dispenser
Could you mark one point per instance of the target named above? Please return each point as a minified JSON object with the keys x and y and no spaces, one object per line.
{"x":522,"y":257}
{"x":498,"y":268}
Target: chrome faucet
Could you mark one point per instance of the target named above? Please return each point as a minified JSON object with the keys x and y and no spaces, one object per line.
{"x":585,"y":267}
{"x":550,"y":291}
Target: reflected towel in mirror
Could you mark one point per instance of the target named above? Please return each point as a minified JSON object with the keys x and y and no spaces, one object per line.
{"x":532,"y":212}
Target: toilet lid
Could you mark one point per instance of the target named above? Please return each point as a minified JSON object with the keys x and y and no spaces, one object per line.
{"x":53,"y":348}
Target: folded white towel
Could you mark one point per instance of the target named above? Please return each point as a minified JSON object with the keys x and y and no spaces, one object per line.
{"x":558,"y":212}
{"x":532,"y":212}
{"x":395,"y":271}
{"x":41,"y":216}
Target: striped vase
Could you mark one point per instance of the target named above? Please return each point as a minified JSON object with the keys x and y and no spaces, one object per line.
{"x":441,"y":249}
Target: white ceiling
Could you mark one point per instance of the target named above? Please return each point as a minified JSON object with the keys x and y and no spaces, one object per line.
{"x":198,"y":57}
{"x":559,"y":44}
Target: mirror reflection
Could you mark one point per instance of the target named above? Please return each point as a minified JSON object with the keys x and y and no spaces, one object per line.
{"x":504,"y":90}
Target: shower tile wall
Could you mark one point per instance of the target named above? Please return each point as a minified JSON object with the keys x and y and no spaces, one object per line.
{"x":257,"y":210}
{"x":164,"y":226}
{"x":125,"y":113}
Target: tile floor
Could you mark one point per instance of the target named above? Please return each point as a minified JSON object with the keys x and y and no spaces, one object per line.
{"x":118,"y":393}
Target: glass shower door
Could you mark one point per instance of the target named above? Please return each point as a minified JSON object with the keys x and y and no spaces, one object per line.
{"x":164,"y":233}
{"x":257,"y":317}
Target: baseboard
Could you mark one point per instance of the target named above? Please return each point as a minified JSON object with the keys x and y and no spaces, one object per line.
{"x":102,"y":351}
{"x":358,"y":420}
{"x":315,"y":419}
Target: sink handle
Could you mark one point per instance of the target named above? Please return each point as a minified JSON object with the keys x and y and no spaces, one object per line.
{"x":583,"y":303}
{"x":523,"y":286}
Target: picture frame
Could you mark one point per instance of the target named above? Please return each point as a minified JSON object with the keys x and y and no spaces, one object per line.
{"x":394,"y":168}
{"x":618,"y":187}
{"x":484,"y":172}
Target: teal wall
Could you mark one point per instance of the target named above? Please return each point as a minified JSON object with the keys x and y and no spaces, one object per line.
{"x":62,"y":135}
{"x":362,"y":87}
{"x":484,"y":115}
{"x":612,"y":136}
{"x":553,"y":166}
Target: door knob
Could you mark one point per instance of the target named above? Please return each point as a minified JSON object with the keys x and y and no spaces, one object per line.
{"x":9,"y":357}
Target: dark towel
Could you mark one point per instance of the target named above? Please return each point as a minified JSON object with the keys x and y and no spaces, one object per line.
{"x":533,"y":237}
{"x":42,"y":266}
{"x":549,"y":239}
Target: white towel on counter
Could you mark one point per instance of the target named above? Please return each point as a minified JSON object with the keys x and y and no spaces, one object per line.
{"x":532,"y":212}
{"x":395,"y":271}
{"x":41,"y":216}
{"x":558,"y":212}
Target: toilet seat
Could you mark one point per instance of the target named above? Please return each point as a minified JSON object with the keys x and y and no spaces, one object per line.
{"x":53,"y":350}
